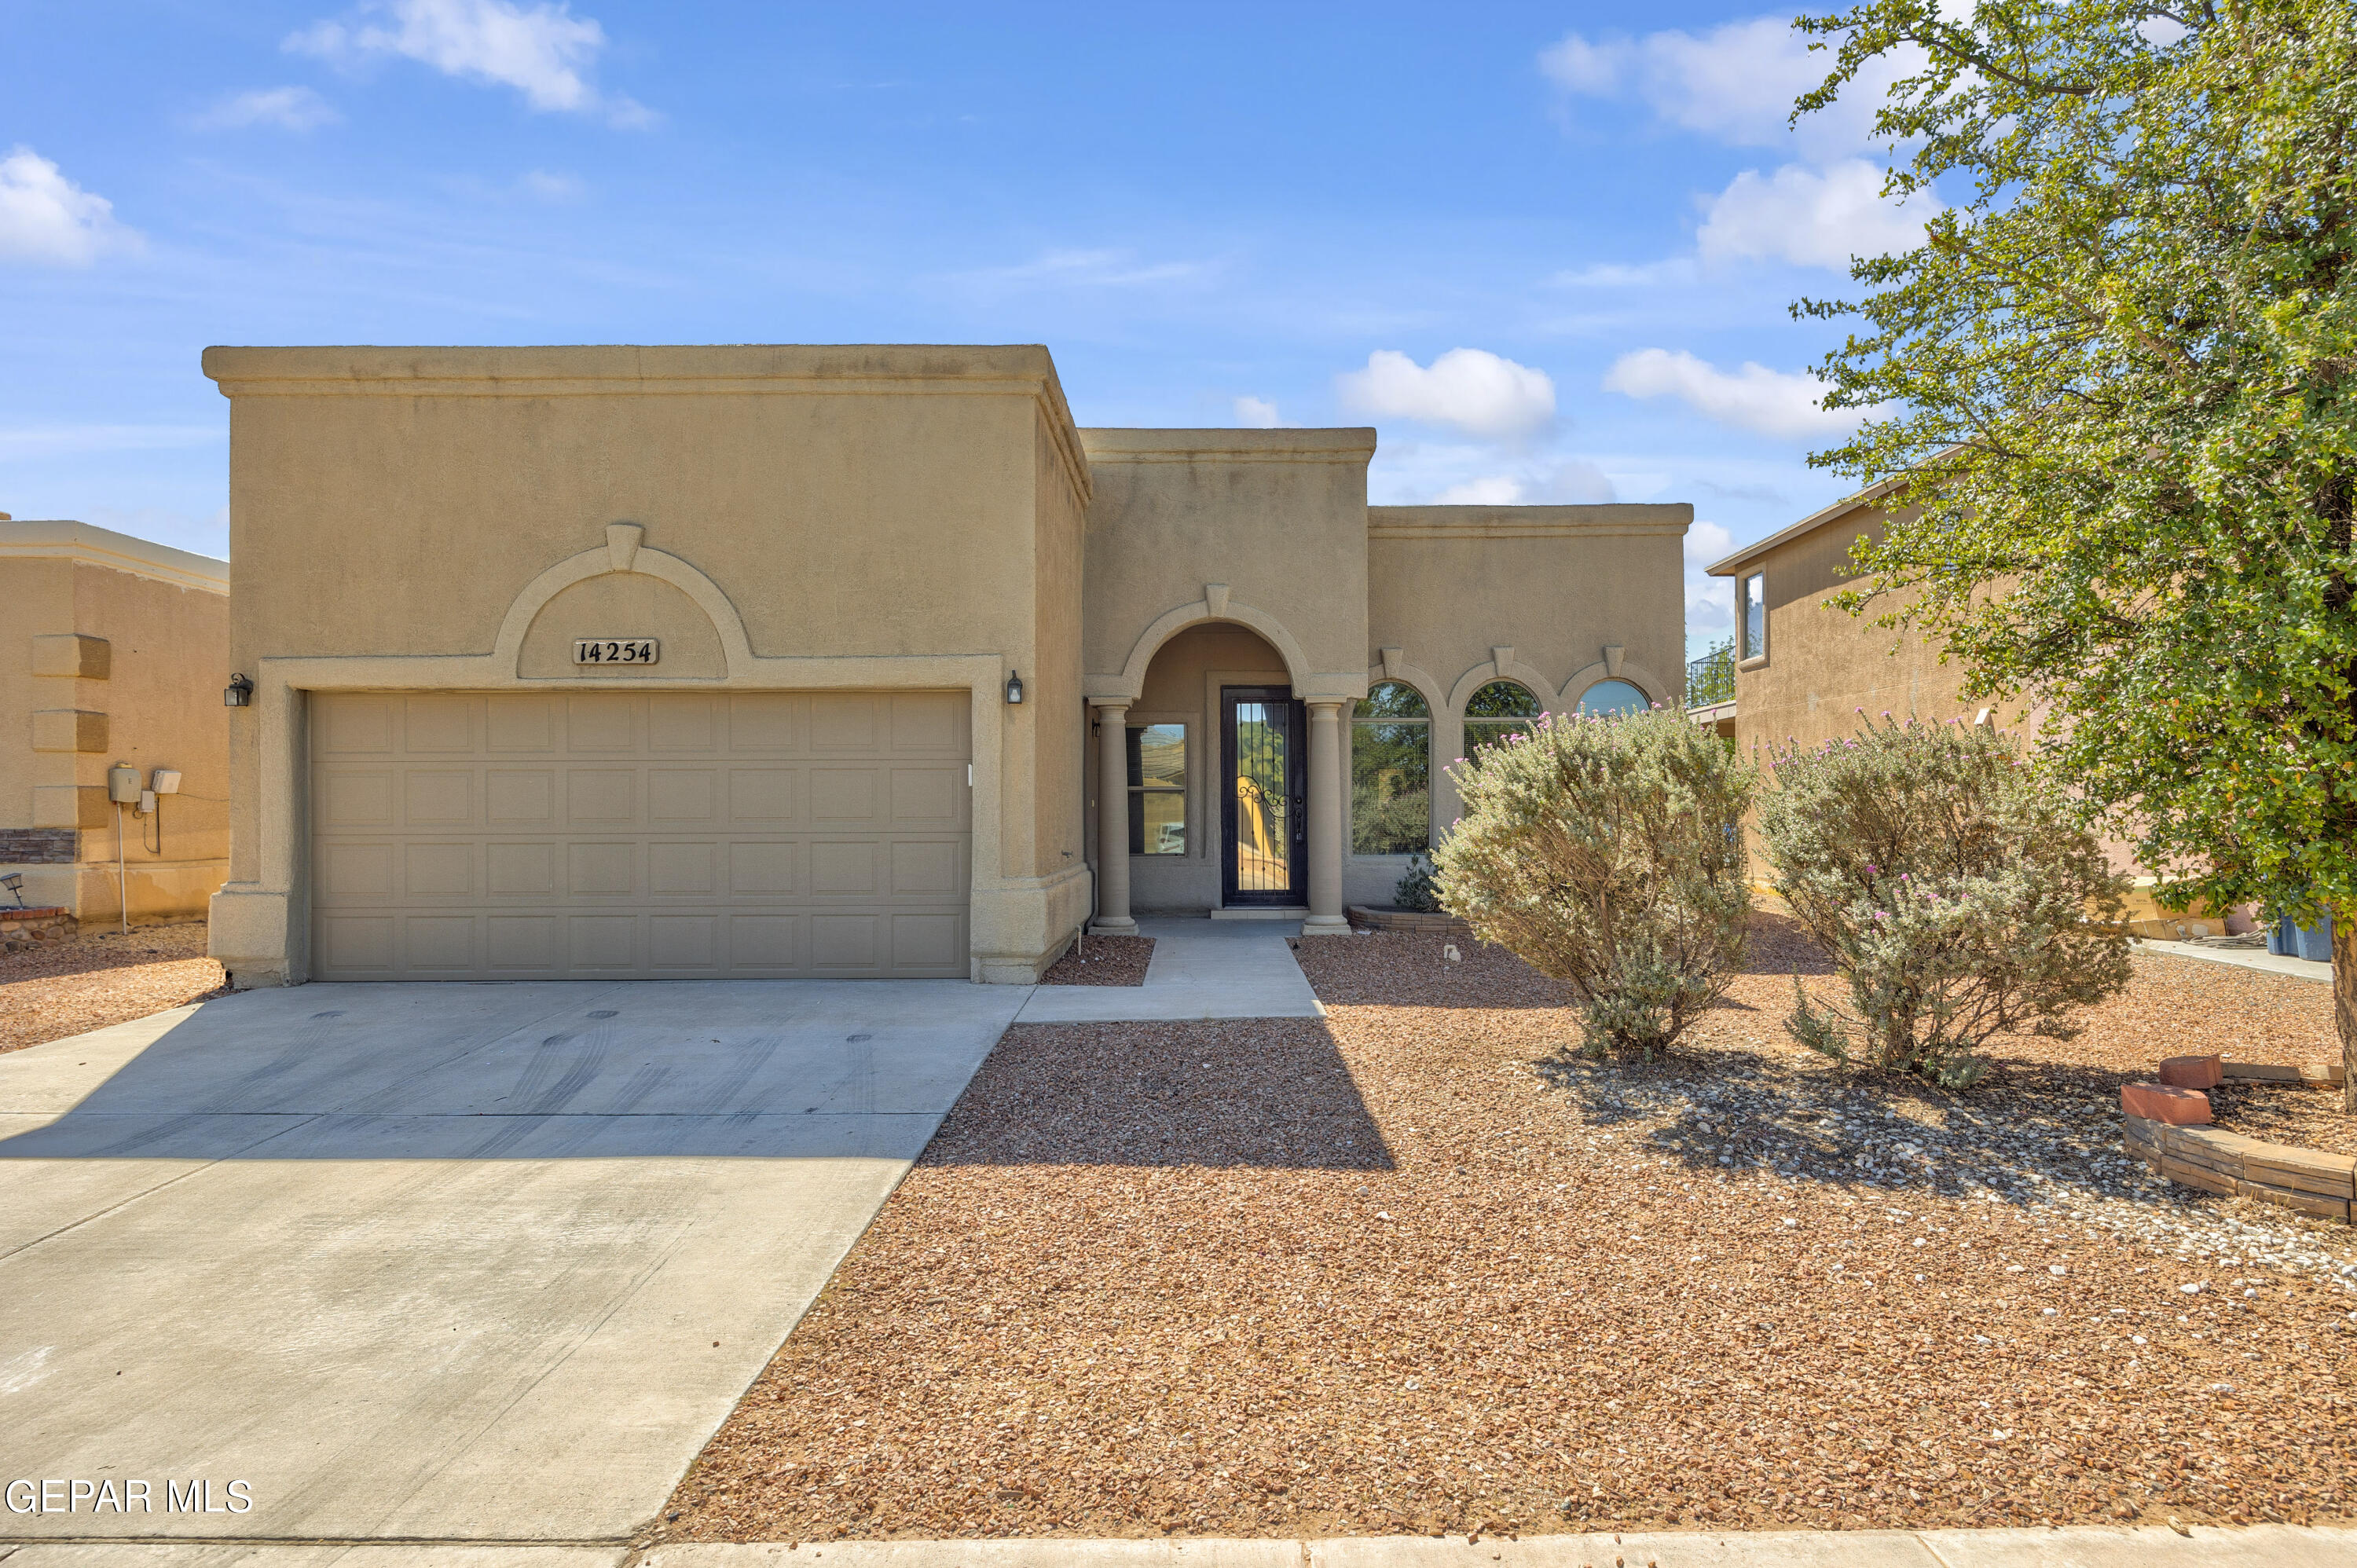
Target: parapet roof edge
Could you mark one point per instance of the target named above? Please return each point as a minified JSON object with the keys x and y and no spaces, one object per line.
{"x":1115,"y":444}
{"x":604,"y":369}
{"x":1593,"y":519}
{"x":1815,"y":520}
{"x":61,"y":539}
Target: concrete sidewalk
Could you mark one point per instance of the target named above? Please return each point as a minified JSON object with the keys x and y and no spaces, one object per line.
{"x":1202,"y":969}
{"x":2241,"y":958}
{"x":2150,"y":1546}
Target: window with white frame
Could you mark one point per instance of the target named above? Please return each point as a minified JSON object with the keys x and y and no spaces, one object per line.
{"x":1751,"y":616}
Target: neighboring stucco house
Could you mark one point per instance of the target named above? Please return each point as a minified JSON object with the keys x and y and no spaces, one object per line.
{"x":848,"y":660}
{"x":1804,"y":669}
{"x":119,"y":649}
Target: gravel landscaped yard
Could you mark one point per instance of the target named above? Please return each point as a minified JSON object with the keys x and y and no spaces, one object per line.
{"x":1102,"y":960}
{"x":101,"y":977}
{"x":1418,"y":1266}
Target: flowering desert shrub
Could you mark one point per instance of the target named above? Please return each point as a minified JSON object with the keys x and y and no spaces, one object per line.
{"x":1950,"y":888}
{"x":1604,"y":852}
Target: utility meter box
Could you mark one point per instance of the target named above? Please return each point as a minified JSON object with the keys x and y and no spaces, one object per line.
{"x":123,"y":784}
{"x":166,"y":781}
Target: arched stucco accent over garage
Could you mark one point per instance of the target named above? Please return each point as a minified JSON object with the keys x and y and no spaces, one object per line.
{"x":624,"y":551}
{"x":1214,"y":605}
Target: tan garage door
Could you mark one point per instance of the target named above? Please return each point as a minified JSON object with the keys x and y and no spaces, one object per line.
{"x":638,"y":836}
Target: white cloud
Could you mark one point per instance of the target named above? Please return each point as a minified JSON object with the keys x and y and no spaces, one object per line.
{"x":1622,"y":274}
{"x":1103,"y":269}
{"x":1470,"y":389}
{"x":286,"y":108}
{"x":1709,"y":604}
{"x":546,"y":53}
{"x":1256,"y":414}
{"x":45,"y":217}
{"x":1812,"y":217}
{"x":550,"y":186}
{"x":1769,"y":402}
{"x":1735,"y":84}
{"x":1498,"y":489}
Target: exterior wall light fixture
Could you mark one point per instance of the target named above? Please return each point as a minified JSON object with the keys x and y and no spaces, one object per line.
{"x":1014,"y":686}
{"x":239,"y":695}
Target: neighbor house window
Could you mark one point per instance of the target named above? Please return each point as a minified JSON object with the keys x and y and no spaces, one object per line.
{"x":1391,"y":771}
{"x":1751,"y":616}
{"x":1497,"y":710}
{"x":1607,"y":697}
{"x":1157,"y":789}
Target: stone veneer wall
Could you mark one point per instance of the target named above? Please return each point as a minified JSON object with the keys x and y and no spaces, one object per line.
{"x":2233,"y":1165}
{"x":22,"y":927}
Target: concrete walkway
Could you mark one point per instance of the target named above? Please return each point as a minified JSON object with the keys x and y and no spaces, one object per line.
{"x":2150,"y":1546}
{"x":2241,"y":958}
{"x":1202,"y":969}
{"x":459,"y":1262}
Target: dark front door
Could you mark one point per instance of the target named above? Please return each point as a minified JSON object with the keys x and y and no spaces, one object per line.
{"x":1261,"y":796}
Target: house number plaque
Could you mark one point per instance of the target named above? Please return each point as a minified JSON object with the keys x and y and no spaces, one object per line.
{"x":615,"y":650}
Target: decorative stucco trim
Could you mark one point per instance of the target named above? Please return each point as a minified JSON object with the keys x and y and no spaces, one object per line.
{"x":1341,"y":445}
{"x":622,"y":551}
{"x":63,"y":539}
{"x":1130,"y":684}
{"x":1473,"y":524}
{"x":1636,"y":675}
{"x":1482,"y":674}
{"x":1394,"y":669}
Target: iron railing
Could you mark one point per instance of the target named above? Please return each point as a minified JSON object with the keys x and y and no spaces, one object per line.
{"x":1710,"y":680}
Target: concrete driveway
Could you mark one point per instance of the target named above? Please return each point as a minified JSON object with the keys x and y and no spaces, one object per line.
{"x":435,"y":1263}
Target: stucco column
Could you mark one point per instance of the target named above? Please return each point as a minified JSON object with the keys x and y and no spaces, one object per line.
{"x":1324,"y":823}
{"x":1113,"y":820}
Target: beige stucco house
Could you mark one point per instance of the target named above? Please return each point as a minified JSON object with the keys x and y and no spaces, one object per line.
{"x":115,"y":669}
{"x":844,"y":661}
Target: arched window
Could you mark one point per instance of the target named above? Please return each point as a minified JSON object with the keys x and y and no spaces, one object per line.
{"x":1611,"y":698}
{"x":1497,"y":710}
{"x":1391,"y":771}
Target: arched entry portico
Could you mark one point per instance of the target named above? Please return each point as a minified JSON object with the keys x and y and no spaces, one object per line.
{"x":1230,"y":815}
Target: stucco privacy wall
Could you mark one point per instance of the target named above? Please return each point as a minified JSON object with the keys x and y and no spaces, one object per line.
{"x":120,"y":649}
{"x":829,"y":517}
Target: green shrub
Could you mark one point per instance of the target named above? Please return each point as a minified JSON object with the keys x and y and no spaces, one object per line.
{"x":1417,"y":889}
{"x":1604,"y":852}
{"x":1950,"y":888}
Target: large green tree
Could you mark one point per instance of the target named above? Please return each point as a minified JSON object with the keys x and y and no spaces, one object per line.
{"x":2119,"y":378}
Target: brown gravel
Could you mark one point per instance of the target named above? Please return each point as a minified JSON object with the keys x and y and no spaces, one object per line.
{"x":1102,"y":960}
{"x":1416,"y":1267}
{"x":97,"y":978}
{"x":2285,"y":1113}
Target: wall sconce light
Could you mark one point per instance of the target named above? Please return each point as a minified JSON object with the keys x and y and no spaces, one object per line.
{"x":1014,"y":686}
{"x":239,"y":694}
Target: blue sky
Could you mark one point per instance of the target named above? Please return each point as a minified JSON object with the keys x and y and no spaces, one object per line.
{"x":1547,"y":251}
